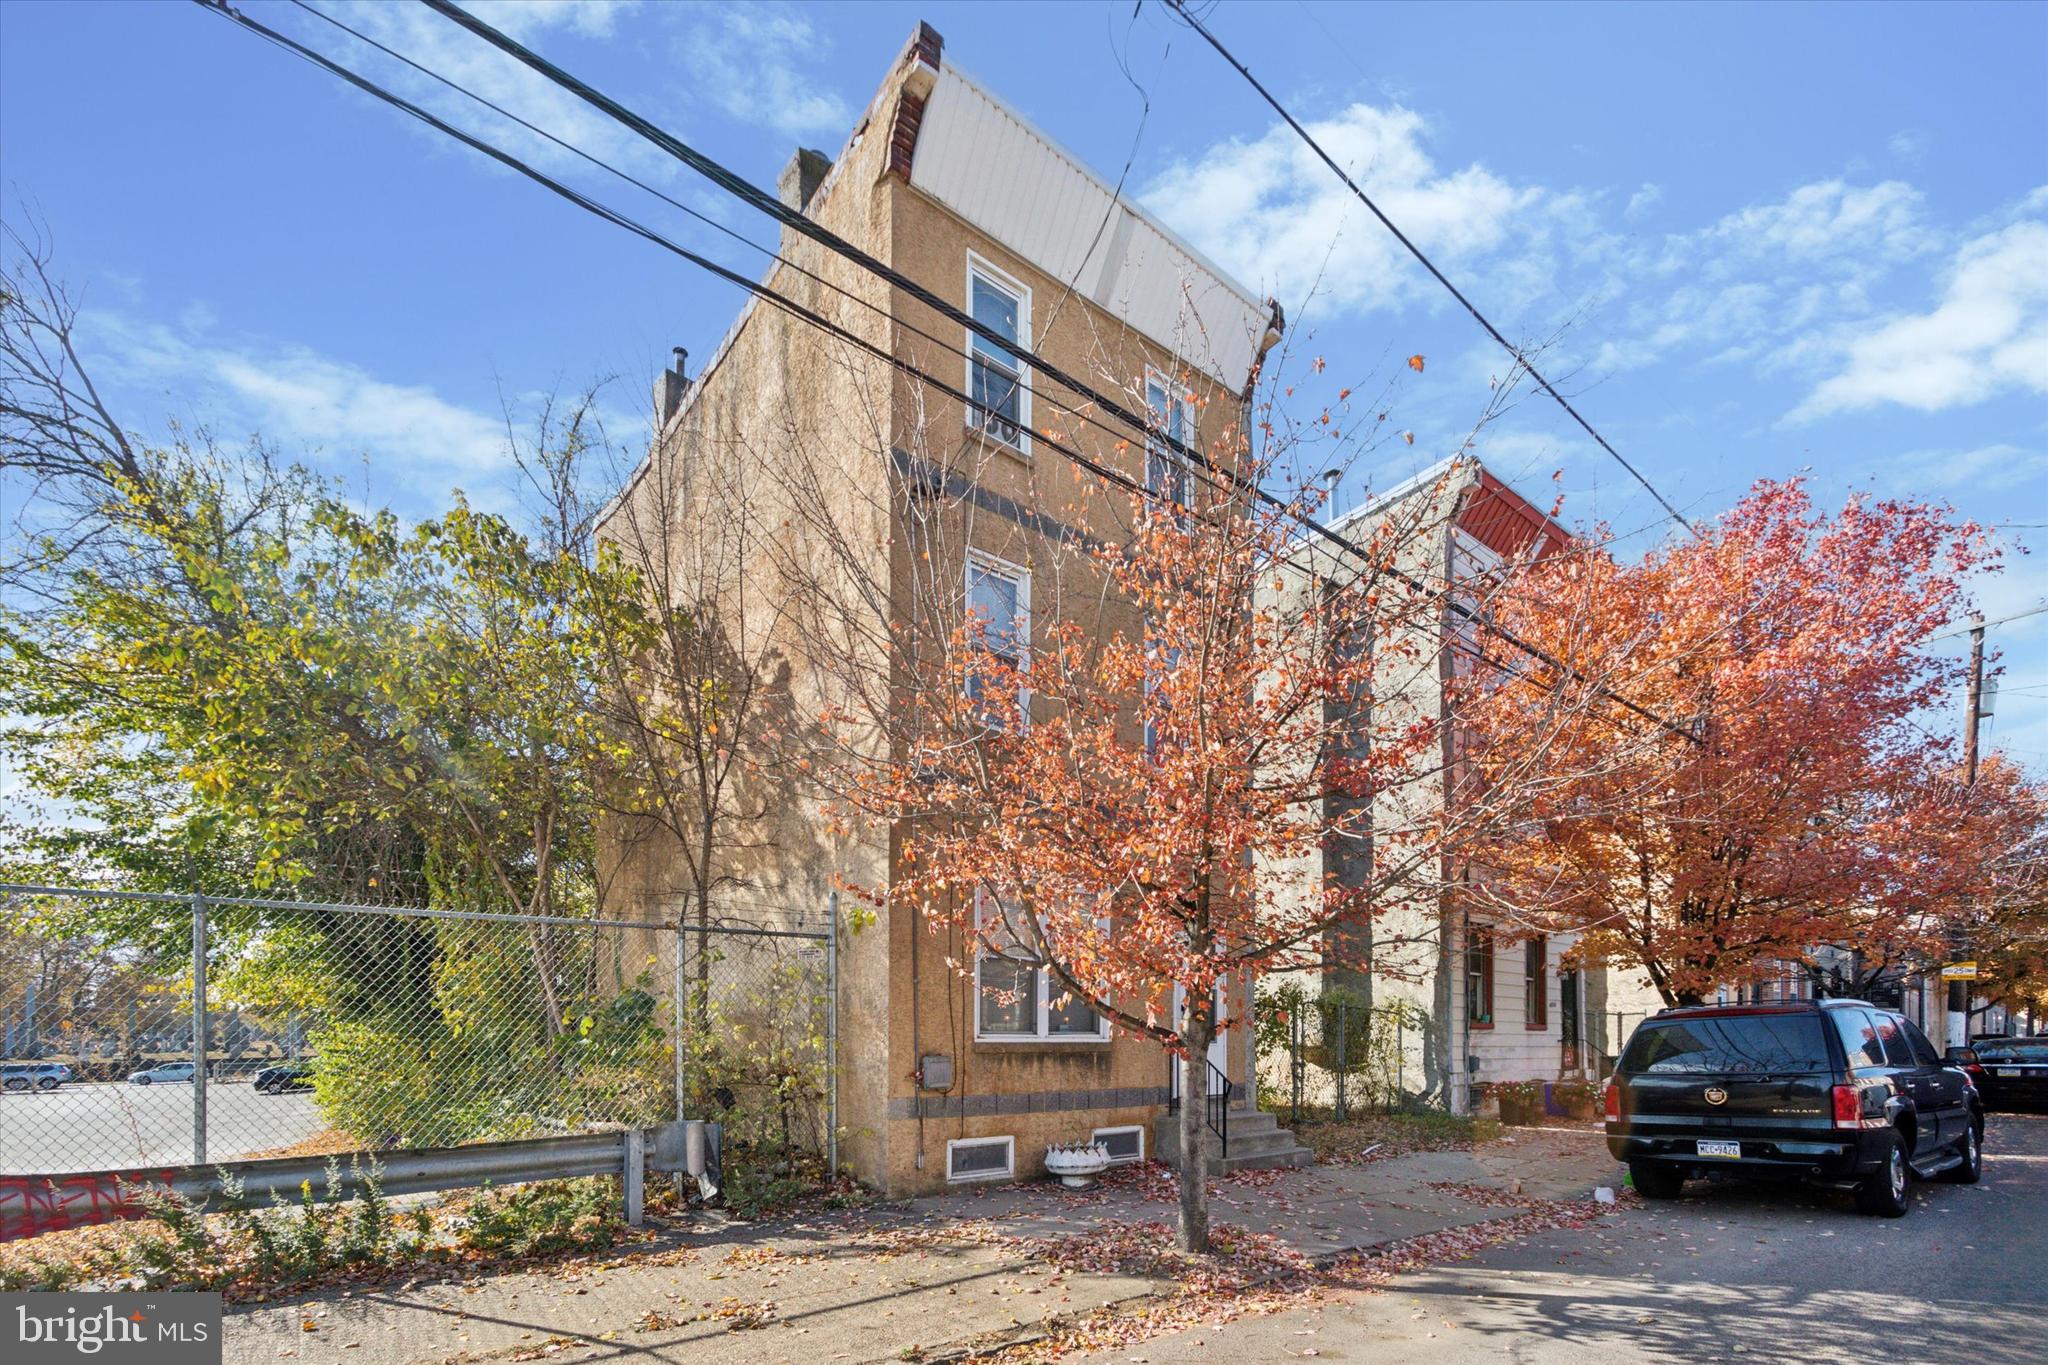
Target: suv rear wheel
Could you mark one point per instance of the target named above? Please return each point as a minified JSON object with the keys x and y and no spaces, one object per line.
{"x":1972,"y":1168}
{"x":1883,"y":1191}
{"x":1654,"y":1180}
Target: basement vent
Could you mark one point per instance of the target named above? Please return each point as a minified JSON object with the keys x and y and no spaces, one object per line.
{"x":1124,"y":1144}
{"x":981,"y":1158}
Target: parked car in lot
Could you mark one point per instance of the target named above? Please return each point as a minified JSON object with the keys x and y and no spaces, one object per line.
{"x":284,"y":1078}
{"x":2012,"y":1073}
{"x":1837,"y":1093}
{"x":33,"y":1075}
{"x":163,"y":1073}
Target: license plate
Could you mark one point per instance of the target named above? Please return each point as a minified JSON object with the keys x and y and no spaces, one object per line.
{"x":1724,"y":1149}
{"x":2006,"y":1071}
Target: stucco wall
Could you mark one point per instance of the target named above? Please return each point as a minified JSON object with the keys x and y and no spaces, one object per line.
{"x":788,"y":457}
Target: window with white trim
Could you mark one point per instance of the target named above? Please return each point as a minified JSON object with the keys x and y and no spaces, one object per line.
{"x":999,"y":595}
{"x":990,"y":1158}
{"x":996,"y":377}
{"x":1166,"y":472}
{"x":1126,"y":1144}
{"x":1016,"y":999}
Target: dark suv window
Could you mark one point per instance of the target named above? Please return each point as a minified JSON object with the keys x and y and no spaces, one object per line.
{"x":1736,"y":1042}
{"x":1859,"y":1037}
{"x":1923,"y":1051}
{"x":2013,"y":1050}
{"x":1896,"y":1050}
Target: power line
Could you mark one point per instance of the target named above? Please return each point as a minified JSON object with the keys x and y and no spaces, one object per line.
{"x":1977,"y":623}
{"x":754,"y":195}
{"x":911,"y":327}
{"x":1180,"y":7}
{"x":807,"y":315}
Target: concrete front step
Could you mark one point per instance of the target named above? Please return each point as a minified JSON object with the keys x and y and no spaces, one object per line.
{"x":1256,"y":1142}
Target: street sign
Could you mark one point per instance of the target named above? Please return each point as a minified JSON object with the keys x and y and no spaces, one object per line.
{"x":1959,"y":971}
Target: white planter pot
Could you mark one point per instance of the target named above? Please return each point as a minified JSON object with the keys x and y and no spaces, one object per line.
{"x":1077,"y":1164}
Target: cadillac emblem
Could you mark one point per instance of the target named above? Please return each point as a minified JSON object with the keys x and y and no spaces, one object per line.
{"x":1716,"y":1095}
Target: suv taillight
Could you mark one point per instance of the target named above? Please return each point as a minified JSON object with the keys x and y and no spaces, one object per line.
{"x":1613,"y":1102}
{"x":1848,"y":1106}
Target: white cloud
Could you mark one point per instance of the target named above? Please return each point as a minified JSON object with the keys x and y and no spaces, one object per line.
{"x":1765,"y":282}
{"x":750,"y":60}
{"x":1910,"y":146}
{"x":1988,"y":335}
{"x":1827,"y":221}
{"x":466,"y":60}
{"x":1642,"y":201}
{"x":309,"y":402}
{"x":1273,"y":215}
{"x":1999,"y":465}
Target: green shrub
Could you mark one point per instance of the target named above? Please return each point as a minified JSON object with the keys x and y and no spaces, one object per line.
{"x":544,"y":1217}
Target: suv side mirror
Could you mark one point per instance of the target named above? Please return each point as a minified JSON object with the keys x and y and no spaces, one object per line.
{"x":1961,"y":1056}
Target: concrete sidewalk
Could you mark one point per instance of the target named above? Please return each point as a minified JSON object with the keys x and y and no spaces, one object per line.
{"x":891,"y":1282}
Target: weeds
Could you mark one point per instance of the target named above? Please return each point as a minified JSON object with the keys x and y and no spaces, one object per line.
{"x":550,"y":1216}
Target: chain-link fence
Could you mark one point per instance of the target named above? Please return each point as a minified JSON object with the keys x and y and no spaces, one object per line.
{"x":150,"y":1031}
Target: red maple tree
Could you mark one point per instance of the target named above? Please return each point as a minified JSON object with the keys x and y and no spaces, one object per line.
{"x":1808,"y":806}
{"x":1129,"y":798}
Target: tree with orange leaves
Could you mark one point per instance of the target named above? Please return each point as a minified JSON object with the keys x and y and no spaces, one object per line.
{"x":1107,"y":801}
{"x":1807,"y":806}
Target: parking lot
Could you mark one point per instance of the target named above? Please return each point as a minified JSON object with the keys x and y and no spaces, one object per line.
{"x":113,"y":1125}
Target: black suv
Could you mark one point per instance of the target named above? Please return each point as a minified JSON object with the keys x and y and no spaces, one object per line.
{"x":1840,"y":1093}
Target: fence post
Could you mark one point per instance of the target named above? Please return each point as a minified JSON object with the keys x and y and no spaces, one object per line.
{"x":681,"y":1178}
{"x":635,"y":1176}
{"x":832,"y":1037}
{"x":198,"y":1029}
{"x":1343,"y":1036}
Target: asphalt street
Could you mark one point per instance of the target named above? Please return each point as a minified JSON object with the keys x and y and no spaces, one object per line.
{"x":1730,"y":1272}
{"x":114,"y":1125}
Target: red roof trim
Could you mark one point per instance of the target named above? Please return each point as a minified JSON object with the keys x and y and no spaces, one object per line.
{"x":1507,"y":523}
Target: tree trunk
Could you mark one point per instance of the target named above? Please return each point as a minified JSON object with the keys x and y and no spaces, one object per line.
{"x":1196,"y":1032}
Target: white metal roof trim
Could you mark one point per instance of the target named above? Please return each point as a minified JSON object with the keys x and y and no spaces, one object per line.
{"x":989,"y":165}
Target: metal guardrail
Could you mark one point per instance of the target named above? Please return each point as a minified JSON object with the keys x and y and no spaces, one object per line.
{"x":33,"y":1204}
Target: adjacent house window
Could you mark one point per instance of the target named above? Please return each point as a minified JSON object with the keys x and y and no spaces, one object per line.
{"x":995,"y":376}
{"x":1016,"y":998}
{"x":1161,"y":659}
{"x":1536,"y":982}
{"x":1479,"y":976}
{"x":999,"y":594}
{"x":1166,"y":473}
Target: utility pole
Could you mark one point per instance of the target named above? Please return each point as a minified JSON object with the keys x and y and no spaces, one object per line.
{"x":1959,"y":991}
{"x":1976,"y":704}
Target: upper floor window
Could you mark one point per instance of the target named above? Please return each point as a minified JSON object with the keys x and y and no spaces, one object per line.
{"x":1016,"y":996}
{"x":996,"y":378}
{"x":999,"y":596}
{"x":1166,"y":472}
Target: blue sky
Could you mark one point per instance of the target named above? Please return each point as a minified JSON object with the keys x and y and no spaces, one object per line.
{"x":1774,"y":237}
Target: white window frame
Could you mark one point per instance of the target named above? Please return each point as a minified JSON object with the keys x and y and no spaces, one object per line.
{"x":1137,"y":1128}
{"x":1021,"y":576}
{"x":1176,"y":401}
{"x":1009,"y":1171}
{"x":989,"y":272}
{"x":1048,"y":991}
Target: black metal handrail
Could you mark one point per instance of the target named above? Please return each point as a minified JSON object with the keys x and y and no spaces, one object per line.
{"x":1216,"y":1111}
{"x":1218,"y":1116}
